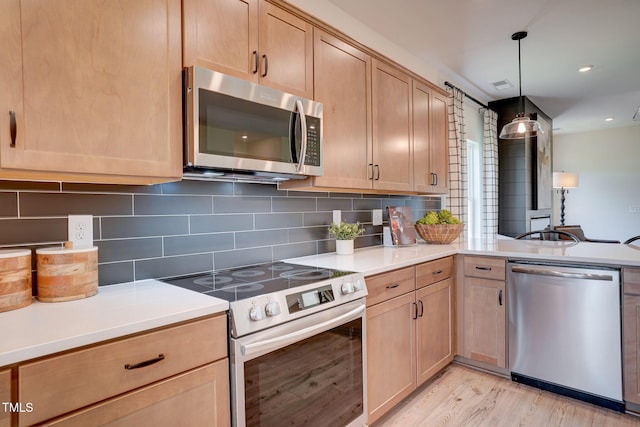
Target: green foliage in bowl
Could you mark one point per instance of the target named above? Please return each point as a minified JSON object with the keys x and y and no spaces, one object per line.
{"x":345,"y":230}
{"x":442,"y":217}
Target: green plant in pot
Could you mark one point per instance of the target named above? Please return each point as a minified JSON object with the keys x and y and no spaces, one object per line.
{"x":345,"y":233}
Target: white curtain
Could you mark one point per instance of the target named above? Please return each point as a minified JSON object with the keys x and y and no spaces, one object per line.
{"x":458,"y":179}
{"x":490,"y":174}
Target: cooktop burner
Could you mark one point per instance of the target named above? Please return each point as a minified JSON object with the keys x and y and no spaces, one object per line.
{"x":247,"y":282}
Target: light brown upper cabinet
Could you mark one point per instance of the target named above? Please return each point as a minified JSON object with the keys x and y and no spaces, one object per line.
{"x":390,"y":159}
{"x":250,"y":39}
{"x":91,"y":90}
{"x":343,"y":84}
{"x":430,"y":140}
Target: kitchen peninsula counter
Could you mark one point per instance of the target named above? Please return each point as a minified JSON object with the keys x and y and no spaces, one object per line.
{"x":41,"y":328}
{"x":380,"y":259}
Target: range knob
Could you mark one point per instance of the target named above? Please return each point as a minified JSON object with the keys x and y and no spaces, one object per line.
{"x":272,"y":308}
{"x":358,"y":285}
{"x":256,"y":313}
{"x":347,"y":288}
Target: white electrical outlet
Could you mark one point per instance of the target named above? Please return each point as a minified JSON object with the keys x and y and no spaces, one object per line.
{"x":81,"y":230}
{"x":337,"y":216}
{"x":634,"y":209}
{"x":376,"y":217}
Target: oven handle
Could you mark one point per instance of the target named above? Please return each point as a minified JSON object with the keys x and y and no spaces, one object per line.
{"x":272,"y":344}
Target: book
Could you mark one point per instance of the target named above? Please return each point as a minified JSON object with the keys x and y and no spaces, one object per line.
{"x":403,"y":231}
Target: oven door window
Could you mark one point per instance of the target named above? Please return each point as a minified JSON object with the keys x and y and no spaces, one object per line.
{"x":314,"y":382}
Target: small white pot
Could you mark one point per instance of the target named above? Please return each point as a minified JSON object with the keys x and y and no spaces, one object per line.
{"x":344,"y":247}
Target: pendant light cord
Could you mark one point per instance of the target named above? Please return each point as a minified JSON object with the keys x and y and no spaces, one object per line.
{"x":519,"y":36}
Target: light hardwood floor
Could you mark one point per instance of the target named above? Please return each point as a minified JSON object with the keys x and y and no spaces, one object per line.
{"x":462,"y":396}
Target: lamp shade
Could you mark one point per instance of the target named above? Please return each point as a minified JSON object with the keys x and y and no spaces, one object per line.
{"x":565,"y":180}
{"x":520,"y":127}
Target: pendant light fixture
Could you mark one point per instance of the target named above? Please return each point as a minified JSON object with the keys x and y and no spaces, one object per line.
{"x":522,"y":126}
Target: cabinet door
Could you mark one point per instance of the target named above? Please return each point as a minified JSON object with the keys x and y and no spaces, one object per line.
{"x":439,"y":142}
{"x":631,"y":329}
{"x":392,"y":154}
{"x":391,"y":363}
{"x":423,"y":178}
{"x":222,"y":35}
{"x":342,"y":83}
{"x":484,"y":328}
{"x":196,"y":398}
{"x":286,"y":51}
{"x":434,"y":330}
{"x":95,"y":87}
{"x":5,"y":396}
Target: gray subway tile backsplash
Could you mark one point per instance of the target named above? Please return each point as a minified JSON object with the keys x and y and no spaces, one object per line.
{"x":188,"y":227}
{"x":8,"y":204}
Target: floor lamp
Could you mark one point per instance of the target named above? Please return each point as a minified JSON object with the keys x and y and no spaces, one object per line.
{"x":563,"y":180}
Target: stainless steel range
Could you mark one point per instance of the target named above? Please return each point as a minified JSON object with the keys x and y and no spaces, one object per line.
{"x":297,"y":343}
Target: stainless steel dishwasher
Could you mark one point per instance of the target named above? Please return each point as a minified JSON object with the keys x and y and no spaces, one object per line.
{"x":565,"y":330}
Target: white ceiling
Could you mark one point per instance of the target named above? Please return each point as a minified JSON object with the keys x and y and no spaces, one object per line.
{"x":469,"y":42}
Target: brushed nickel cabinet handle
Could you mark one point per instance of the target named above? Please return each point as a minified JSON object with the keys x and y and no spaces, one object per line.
{"x":372,"y":173}
{"x":415,"y":311}
{"x":265,"y":62}
{"x":436,"y":272}
{"x":145,"y":363}
{"x":13,"y":130}
{"x":378,"y":172}
{"x":421,"y":308}
{"x":500,"y":297}
{"x":395,"y":285}
{"x":483,"y":268}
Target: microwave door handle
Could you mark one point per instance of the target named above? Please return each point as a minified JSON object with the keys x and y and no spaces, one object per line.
{"x":303,"y":145}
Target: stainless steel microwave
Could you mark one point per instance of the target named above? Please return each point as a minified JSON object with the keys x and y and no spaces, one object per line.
{"x":237,"y":128}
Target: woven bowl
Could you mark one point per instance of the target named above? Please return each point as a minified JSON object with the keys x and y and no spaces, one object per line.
{"x":439,"y":234}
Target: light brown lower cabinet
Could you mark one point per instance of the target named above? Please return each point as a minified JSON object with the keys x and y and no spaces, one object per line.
{"x":5,"y":397}
{"x":631,"y":329}
{"x":181,"y":368}
{"x":410,"y":331}
{"x":196,"y":398}
{"x":482,"y":302}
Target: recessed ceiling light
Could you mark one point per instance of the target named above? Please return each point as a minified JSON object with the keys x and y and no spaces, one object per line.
{"x":586,"y":68}
{"x":608,"y":119}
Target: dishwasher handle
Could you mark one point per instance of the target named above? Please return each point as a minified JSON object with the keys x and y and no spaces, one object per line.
{"x":562,"y":274}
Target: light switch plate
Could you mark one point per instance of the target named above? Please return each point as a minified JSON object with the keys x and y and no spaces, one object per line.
{"x":337,"y":216}
{"x":80,"y":229}
{"x":634,"y":209}
{"x":376,"y":217}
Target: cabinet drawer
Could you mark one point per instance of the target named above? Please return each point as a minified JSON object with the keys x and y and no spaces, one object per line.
{"x":631,"y":281}
{"x":433,"y":271}
{"x":70,"y":381}
{"x":197,"y":398}
{"x":5,"y":396}
{"x":382,"y":287}
{"x":484,"y":267}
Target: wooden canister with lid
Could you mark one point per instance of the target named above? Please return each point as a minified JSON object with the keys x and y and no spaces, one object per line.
{"x":65,"y":274}
{"x":15,"y":279}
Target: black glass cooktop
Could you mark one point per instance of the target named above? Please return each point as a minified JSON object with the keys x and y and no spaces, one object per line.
{"x":246,"y":282}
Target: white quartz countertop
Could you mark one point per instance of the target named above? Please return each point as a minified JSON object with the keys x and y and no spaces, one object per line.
{"x":117,"y":310}
{"x":379,"y":259}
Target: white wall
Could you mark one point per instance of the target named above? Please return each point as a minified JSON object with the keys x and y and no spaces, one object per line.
{"x":608,"y":167}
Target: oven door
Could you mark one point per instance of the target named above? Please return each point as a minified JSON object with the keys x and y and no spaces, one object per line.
{"x":310,"y":371}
